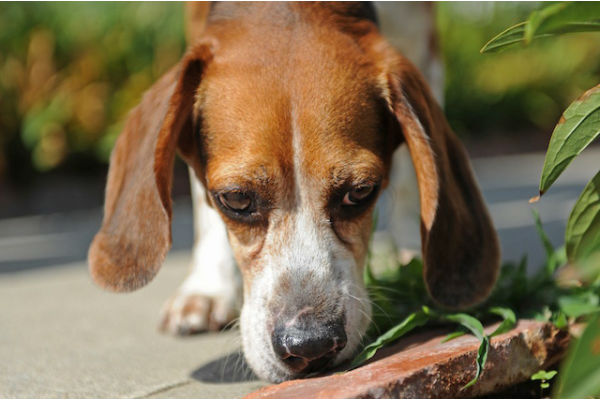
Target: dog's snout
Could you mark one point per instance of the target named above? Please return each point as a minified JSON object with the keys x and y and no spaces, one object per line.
{"x":309,"y":347}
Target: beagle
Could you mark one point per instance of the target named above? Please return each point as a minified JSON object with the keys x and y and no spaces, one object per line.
{"x":288,"y":115}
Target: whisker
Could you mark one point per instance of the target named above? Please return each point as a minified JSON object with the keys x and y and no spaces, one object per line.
{"x":371,"y":302}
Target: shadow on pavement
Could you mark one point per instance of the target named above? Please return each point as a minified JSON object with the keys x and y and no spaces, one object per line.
{"x":231,"y":368}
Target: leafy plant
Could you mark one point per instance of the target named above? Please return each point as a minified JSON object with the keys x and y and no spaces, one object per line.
{"x":551,"y":20}
{"x":509,"y":95}
{"x":543,"y":377}
{"x":578,"y":127}
{"x":583,"y":228}
{"x":398,"y":293}
{"x":580,"y":374}
{"x":94,"y":60}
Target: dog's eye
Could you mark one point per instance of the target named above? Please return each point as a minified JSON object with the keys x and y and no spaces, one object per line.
{"x":357,"y":195}
{"x":236,"y":201}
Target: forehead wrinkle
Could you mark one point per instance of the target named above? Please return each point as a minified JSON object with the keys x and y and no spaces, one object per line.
{"x":246,"y":124}
{"x":235,"y":174}
{"x":357,"y":172}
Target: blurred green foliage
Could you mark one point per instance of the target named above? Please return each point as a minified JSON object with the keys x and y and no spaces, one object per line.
{"x":509,"y":92}
{"x":69,"y":73}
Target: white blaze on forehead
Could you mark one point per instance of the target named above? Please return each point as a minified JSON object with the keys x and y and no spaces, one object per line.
{"x":299,"y":180}
{"x":320,"y":274}
{"x":311,"y":243}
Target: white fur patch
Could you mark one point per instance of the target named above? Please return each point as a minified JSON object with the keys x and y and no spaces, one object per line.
{"x":304,"y":268}
{"x":214,"y":271}
{"x":214,"y":274}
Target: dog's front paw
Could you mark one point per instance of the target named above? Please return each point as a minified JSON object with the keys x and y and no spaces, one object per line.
{"x":190,"y":313}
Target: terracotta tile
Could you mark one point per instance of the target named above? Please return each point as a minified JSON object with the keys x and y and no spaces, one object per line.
{"x":422,"y":366}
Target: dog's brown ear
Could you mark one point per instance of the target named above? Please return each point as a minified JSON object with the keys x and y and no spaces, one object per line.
{"x":459,"y":244}
{"x":136,"y":231}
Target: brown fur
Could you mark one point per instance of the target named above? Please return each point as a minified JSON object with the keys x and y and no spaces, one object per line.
{"x":260,"y":77}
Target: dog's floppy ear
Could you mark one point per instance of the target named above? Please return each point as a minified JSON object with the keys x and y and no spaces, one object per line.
{"x":136,"y":231}
{"x":459,"y":244}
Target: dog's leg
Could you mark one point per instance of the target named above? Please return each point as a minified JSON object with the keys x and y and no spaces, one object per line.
{"x":209,"y":297}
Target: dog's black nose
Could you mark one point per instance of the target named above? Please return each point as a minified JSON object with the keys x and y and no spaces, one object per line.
{"x":308,"y":348}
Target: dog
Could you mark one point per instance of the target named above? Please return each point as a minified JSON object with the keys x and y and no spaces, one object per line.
{"x":289,"y":115}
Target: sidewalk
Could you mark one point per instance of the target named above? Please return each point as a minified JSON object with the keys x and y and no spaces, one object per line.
{"x":61,"y":336}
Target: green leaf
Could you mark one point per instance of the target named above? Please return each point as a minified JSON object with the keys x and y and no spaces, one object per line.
{"x":589,"y":268}
{"x":537,"y":18}
{"x":509,"y":320}
{"x":473,"y":325}
{"x":566,"y":17}
{"x":582,"y":235}
{"x":476,"y":328}
{"x":412,"y":321}
{"x":578,"y":305}
{"x":548,"y":247}
{"x":511,"y":35}
{"x":543,"y":375}
{"x":577,"y":128}
{"x":453,"y":335}
{"x":551,"y":20}
{"x":482,"y":354}
{"x":559,"y":319}
{"x":580,"y":373}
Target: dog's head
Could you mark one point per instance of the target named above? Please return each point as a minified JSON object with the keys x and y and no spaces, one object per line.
{"x":293,"y":140}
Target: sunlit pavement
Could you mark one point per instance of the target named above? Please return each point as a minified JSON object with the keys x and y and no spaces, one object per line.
{"x":509,"y":182}
{"x":60,"y":336}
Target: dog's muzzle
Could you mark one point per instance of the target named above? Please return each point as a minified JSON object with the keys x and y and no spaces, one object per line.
{"x":307,"y":346}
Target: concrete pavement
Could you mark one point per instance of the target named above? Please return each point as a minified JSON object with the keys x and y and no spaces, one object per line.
{"x":60,"y":336}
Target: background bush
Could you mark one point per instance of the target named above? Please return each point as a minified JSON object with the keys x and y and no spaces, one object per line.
{"x":510,"y":92}
{"x":69,"y":73}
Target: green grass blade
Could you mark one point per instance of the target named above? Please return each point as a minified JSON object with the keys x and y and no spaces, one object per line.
{"x":582,"y":236}
{"x":467,"y":321}
{"x":476,"y":328}
{"x":453,"y":335}
{"x":414,"y":320}
{"x":482,"y":354}
{"x":511,"y":35}
{"x":553,"y":19}
{"x":509,"y":320}
{"x":548,"y":247}
{"x":473,"y":325}
{"x":577,"y":128}
{"x":580,"y":373}
{"x":470,"y":323}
